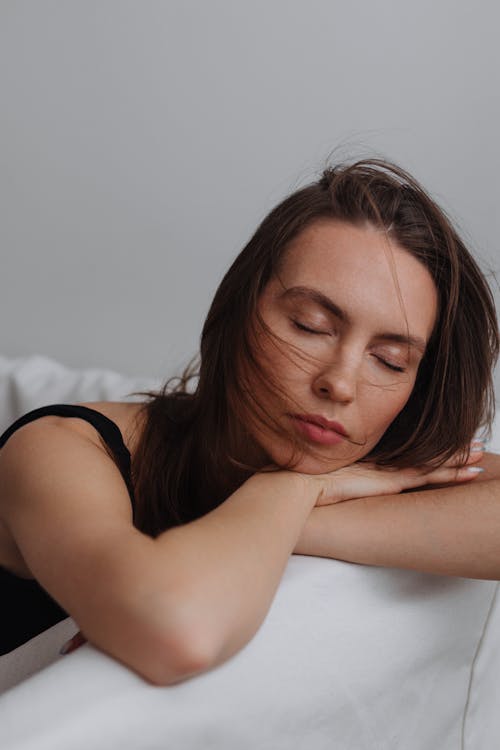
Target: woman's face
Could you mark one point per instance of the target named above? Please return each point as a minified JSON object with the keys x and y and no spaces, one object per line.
{"x":360,"y":309}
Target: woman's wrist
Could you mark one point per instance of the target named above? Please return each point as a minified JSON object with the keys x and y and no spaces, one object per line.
{"x":299,"y":487}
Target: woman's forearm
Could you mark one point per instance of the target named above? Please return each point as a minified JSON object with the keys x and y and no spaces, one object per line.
{"x":453,"y":530}
{"x":228,"y":563}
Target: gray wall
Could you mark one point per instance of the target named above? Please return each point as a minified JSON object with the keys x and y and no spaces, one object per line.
{"x":143,"y":141}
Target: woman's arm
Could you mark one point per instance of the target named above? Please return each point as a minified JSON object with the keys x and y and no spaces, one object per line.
{"x":169,"y":607}
{"x":231,"y":560}
{"x":452,"y":530}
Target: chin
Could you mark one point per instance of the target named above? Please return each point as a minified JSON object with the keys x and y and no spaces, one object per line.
{"x":308,"y":464}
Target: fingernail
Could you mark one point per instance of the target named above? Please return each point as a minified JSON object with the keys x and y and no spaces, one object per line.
{"x":474,"y":469}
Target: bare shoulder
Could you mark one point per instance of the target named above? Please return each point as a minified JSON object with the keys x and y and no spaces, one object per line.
{"x":55,"y":476}
{"x":48,"y":448}
{"x":128,"y":417}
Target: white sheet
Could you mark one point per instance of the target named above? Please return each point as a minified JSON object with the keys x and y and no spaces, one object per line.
{"x":349,"y":657}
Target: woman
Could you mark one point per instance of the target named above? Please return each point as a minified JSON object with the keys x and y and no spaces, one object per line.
{"x":347,"y":355}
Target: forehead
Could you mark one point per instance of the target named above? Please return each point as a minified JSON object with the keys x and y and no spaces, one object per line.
{"x":364,"y":272}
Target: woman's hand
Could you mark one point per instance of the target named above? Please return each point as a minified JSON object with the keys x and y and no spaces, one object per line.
{"x":367,"y":480}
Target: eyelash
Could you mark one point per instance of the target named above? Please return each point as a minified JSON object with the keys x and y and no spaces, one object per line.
{"x":391,"y":367}
{"x":302,"y":327}
{"x":309,"y":330}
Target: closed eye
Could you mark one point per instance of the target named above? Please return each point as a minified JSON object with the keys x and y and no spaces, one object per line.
{"x":391,"y":367}
{"x":382,"y":361}
{"x":302,"y":327}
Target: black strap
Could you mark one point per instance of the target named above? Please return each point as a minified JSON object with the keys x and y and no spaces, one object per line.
{"x":108,"y":430}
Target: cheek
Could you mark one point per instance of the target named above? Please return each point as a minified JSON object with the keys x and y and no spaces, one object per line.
{"x":284,"y":361}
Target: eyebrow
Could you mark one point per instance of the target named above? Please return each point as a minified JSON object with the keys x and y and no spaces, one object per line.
{"x":321,"y":299}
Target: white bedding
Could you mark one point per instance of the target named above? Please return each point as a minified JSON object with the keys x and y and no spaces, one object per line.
{"x":349,"y":657}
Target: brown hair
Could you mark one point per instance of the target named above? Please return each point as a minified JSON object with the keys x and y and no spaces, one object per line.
{"x":186,"y":462}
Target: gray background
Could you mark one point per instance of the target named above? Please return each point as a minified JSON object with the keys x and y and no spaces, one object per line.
{"x":142,"y":142}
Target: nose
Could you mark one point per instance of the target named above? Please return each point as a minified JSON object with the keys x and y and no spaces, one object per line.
{"x":336,"y":381}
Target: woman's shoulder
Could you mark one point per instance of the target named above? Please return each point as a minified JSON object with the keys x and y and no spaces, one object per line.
{"x":128,"y":417}
{"x":69,"y":443}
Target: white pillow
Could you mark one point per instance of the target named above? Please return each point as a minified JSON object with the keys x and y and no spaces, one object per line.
{"x":29,"y":382}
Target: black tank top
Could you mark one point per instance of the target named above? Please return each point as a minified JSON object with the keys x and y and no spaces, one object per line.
{"x":27,"y":609}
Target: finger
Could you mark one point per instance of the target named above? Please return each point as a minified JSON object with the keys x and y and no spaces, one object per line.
{"x":73,"y":643}
{"x":453,"y":475}
{"x":476,"y":453}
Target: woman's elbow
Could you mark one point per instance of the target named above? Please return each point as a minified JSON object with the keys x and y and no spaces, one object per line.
{"x":174,"y":660}
{"x":155,"y":639}
{"x":162,"y":643}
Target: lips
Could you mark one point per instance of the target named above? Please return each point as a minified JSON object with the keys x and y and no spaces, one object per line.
{"x":326,"y":424}
{"x":322,"y":433}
